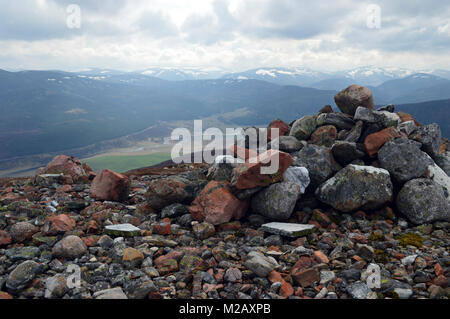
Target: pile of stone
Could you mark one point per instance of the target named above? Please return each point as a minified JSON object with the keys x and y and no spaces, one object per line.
{"x":355,"y":190}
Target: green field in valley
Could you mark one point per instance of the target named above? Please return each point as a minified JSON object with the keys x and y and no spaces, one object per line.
{"x":123,"y":163}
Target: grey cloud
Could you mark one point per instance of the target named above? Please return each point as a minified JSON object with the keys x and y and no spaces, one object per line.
{"x":157,"y":24}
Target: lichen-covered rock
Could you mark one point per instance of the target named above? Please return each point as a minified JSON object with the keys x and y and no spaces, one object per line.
{"x":423,"y":201}
{"x":277,"y":201}
{"x":437,"y":175}
{"x":303,"y":128}
{"x":319,"y":162}
{"x":430,"y":137}
{"x":356,"y":187}
{"x":403,"y":159}
{"x":350,"y":98}
{"x":260,"y":264}
{"x":22,"y":275}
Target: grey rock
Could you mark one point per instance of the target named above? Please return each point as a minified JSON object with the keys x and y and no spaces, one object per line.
{"x":341,"y":121}
{"x":430,"y":137}
{"x":387,"y":119}
{"x":220,"y":172}
{"x":277,"y":201}
{"x":69,"y":247}
{"x":364,"y":114}
{"x":260,"y":264}
{"x":403,"y":293}
{"x":355,"y":132}
{"x":122,"y":230}
{"x":388,"y":108}
{"x":423,"y":201}
{"x":345,"y":152}
{"x":303,"y":128}
{"x":326,"y":276}
{"x":114,"y":293}
{"x":22,"y":275}
{"x":319,"y":162}
{"x":409,"y":260}
{"x":407,"y":127}
{"x":358,"y":290}
{"x":247,"y":193}
{"x":355,"y":187}
{"x":23,"y":253}
{"x":403,"y":159}
{"x":288,"y":229}
{"x":233,"y":275}
{"x":56,"y":287}
{"x":297,"y":175}
{"x":437,"y":175}
{"x":287,"y":144}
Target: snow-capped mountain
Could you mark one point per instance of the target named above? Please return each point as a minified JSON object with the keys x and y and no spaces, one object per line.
{"x":283,"y":76}
{"x":180,"y":74}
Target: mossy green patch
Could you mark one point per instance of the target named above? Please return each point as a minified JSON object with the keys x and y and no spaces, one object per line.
{"x":410,"y":239}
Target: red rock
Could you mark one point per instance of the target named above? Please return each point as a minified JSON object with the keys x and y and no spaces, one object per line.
{"x":64,"y":189}
{"x":110,"y":186}
{"x":302,"y":263}
{"x":286,"y":289}
{"x":69,"y":166}
{"x":22,"y":231}
{"x":307,"y":277}
{"x":131,"y":254}
{"x":217,"y":205}
{"x":231,"y":226}
{"x":321,"y":257}
{"x":405,"y":117}
{"x":58,"y":224}
{"x":250,"y":174}
{"x":374,"y":141}
{"x":161,"y":260}
{"x":163,"y":227}
{"x":5,"y":238}
{"x":438,"y":269}
{"x":282,"y":127}
{"x":274,"y":276}
{"x":440,"y":281}
{"x":90,"y":241}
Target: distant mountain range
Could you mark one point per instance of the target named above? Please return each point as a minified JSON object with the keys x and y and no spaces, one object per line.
{"x":48,"y":111}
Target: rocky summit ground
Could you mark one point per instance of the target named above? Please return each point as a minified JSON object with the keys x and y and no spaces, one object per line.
{"x":358,"y":194}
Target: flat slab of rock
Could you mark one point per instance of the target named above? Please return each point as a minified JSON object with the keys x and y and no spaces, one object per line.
{"x":288,"y":229}
{"x":122,"y":230}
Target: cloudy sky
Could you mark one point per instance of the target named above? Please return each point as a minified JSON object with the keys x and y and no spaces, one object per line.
{"x":230,"y":34}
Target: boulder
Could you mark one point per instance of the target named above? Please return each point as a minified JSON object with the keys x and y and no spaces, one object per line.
{"x":22,"y":275}
{"x":436,"y":174}
{"x":350,"y":98}
{"x":443,"y":161}
{"x":403,"y":159}
{"x":217,"y":205}
{"x":303,"y":128}
{"x":319,"y":162}
{"x":357,"y":187}
{"x":277,"y":201}
{"x":69,"y":166}
{"x":22,"y":231}
{"x":339,"y":120}
{"x":256,"y":172}
{"x":423,"y":201}
{"x":430,"y":137}
{"x":110,"y":186}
